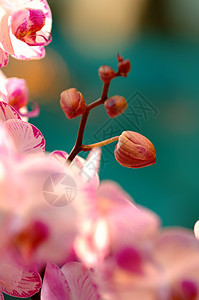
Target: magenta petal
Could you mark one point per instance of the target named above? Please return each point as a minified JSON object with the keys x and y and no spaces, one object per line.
{"x":7,"y":112}
{"x":80,"y":281}
{"x":27,"y":138}
{"x":1,"y":296}
{"x":29,"y":285}
{"x":55,"y":286}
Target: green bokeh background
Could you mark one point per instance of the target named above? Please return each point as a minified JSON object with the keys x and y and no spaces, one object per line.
{"x":165,"y":72}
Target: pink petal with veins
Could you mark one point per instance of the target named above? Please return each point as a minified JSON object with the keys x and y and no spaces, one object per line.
{"x":27,"y":138}
{"x":10,"y":274}
{"x":7,"y":112}
{"x":72,"y":282}
{"x":29,"y":284}
{"x":80,"y":281}
{"x":55,"y":286}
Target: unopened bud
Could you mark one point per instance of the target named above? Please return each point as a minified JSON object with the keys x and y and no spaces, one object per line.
{"x":133,"y":150}
{"x":124,"y":66}
{"x":115,"y":106}
{"x":17,"y":92}
{"x":72,"y":103}
{"x":106,"y":73}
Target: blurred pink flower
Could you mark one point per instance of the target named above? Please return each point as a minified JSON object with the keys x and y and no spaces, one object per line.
{"x":25,"y":27}
{"x":36,"y":215}
{"x":168,"y":271}
{"x":14,"y":91}
{"x":73,"y":281}
{"x":109,"y":223}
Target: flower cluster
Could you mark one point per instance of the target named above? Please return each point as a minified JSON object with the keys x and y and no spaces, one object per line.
{"x":65,"y":234}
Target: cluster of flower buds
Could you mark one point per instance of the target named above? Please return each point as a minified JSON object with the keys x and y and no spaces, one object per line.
{"x":132,"y":150}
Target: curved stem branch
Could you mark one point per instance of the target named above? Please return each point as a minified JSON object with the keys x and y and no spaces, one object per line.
{"x":78,"y":145}
{"x":99,"y":144}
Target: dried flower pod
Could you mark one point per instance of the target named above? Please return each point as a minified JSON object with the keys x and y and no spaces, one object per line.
{"x":72,"y":103}
{"x":124,"y":66}
{"x":115,"y":106}
{"x":106,"y":73}
{"x":133,"y":150}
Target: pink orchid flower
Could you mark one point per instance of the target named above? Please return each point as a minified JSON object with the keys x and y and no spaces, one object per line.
{"x":25,"y":27}
{"x":17,"y":281}
{"x":73,"y":281}
{"x":14,"y":91}
{"x":31,"y":225}
{"x":110,"y":223}
{"x":170,"y":272}
{"x":35,"y":192}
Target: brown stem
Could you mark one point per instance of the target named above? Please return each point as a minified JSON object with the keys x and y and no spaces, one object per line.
{"x":99,"y":144}
{"x":78,"y":144}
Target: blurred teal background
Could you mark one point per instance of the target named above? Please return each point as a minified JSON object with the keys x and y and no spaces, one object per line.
{"x":161,"y":38}
{"x":162,"y":42}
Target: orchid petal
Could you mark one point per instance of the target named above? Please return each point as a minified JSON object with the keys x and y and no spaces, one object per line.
{"x":91,"y":166}
{"x":5,"y":40}
{"x":1,"y":296}
{"x":10,"y":275}
{"x":30,"y":114}
{"x":59,"y":155}
{"x":80,"y":281}
{"x":55,"y":286}
{"x":29,"y":285}
{"x":27,"y":137}
{"x":7,"y":112}
{"x":4,"y":57}
{"x":177,"y":251}
{"x":3,"y":90}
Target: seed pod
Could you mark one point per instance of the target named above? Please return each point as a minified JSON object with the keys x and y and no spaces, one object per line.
{"x":115,"y":106}
{"x":133,"y":150}
{"x":72,"y":103}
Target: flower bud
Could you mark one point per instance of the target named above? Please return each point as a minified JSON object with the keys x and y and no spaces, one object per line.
{"x":124,"y":66}
{"x":72,"y":103}
{"x":115,"y":106}
{"x":133,"y":150}
{"x":106,"y":73}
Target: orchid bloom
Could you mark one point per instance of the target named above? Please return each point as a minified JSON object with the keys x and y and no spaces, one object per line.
{"x":73,"y":281}
{"x":17,"y":281}
{"x":169,"y":272}
{"x":36,"y":215}
{"x":25,"y":27}
{"x":14,"y":91}
{"x":110,"y":223}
